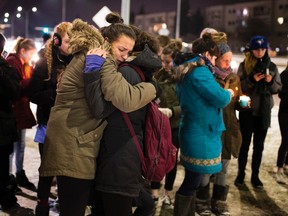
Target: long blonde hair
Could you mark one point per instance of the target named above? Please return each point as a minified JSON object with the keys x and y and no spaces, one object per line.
{"x":249,"y":62}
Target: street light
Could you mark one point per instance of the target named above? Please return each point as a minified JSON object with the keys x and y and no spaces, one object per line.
{"x":34,"y":10}
{"x":18,"y":15}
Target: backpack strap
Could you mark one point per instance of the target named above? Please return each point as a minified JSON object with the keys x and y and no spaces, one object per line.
{"x":136,"y":68}
{"x":126,"y":117}
{"x":134,"y":137}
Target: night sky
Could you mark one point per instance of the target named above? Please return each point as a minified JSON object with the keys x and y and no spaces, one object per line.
{"x":50,"y":11}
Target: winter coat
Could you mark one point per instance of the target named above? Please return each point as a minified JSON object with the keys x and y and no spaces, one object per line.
{"x":260,"y":92}
{"x":283,"y":94}
{"x":42,"y":89}
{"x":201,"y":99}
{"x":168,"y":97}
{"x":9,"y":91}
{"x":117,"y":150}
{"x":73,"y":134}
{"x":231,"y":137}
{"x":21,"y":107}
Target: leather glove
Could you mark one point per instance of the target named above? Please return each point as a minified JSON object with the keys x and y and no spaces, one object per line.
{"x":93,"y":63}
{"x":166,"y":111}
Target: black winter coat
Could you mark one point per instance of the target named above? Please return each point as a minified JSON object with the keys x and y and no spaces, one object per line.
{"x":119,"y":165}
{"x":9,"y":91}
{"x":42,"y":91}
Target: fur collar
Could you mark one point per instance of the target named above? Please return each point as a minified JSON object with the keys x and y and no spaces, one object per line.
{"x":84,"y":36}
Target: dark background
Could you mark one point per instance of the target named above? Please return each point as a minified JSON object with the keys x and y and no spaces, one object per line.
{"x":49,"y":12}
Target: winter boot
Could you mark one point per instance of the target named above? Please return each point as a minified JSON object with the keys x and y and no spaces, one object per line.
{"x":184,"y":205}
{"x":8,"y":199}
{"x":219,"y":205}
{"x":239,"y":181}
{"x":256,"y":182}
{"x":203,"y":201}
{"x":23,"y":181}
{"x":12,"y":181}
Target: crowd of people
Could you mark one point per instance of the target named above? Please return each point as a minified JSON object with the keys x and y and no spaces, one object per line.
{"x":87,"y":77}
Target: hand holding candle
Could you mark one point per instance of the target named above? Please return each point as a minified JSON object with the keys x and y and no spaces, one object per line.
{"x":244,"y":101}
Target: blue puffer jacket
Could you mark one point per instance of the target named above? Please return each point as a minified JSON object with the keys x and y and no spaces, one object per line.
{"x":201,"y":99}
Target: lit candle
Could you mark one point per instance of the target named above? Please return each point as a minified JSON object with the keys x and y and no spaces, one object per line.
{"x":244,"y":100}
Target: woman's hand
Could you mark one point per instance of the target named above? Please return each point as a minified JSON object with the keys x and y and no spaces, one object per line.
{"x":95,"y":59}
{"x":231,"y":92}
{"x":268,"y":78}
{"x":259,"y":76}
{"x":97,"y":51}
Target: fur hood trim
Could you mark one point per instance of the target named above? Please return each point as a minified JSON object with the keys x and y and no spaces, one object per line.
{"x":180,"y":71}
{"x":84,"y":36}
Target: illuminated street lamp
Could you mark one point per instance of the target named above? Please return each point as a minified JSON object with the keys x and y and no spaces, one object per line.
{"x":18,"y":15}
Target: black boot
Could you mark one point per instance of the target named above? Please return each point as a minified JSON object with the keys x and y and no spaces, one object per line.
{"x":23,"y":181}
{"x":184,"y":205}
{"x":203,"y":201}
{"x":239,"y":181}
{"x":8,"y":199}
{"x":12,"y":181}
{"x":219,"y":205}
{"x":256,"y":182}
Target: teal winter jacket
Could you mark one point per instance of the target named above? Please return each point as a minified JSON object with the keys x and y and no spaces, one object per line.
{"x":201,"y":99}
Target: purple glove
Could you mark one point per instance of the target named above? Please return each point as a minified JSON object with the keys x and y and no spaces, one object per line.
{"x":93,"y":63}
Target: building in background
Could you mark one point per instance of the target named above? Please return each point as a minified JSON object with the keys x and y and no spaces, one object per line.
{"x":239,"y":20}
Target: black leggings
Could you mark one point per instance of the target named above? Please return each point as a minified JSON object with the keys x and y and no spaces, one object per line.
{"x":249,"y":125}
{"x":43,"y":189}
{"x":73,"y":195}
{"x":282,"y":152}
{"x":190,"y":184}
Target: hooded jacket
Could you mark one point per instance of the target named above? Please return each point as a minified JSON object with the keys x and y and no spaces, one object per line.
{"x":201,"y":99}
{"x":118,"y":151}
{"x":73,"y":134}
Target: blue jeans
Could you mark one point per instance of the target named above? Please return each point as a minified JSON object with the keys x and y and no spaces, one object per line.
{"x":19,"y":148}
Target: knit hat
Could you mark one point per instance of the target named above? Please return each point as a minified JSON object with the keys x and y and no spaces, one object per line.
{"x":223,"y":48}
{"x":258,"y":42}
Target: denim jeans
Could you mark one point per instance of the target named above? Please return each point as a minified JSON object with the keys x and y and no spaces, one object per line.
{"x":19,"y":148}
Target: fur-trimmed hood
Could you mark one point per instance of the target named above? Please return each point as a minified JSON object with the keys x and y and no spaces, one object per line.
{"x":84,"y":36}
{"x":179,"y":71}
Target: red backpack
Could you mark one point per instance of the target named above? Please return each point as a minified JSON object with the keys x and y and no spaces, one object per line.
{"x":159,"y":154}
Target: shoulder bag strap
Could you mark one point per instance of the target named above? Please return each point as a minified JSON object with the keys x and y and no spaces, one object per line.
{"x":134,"y":137}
